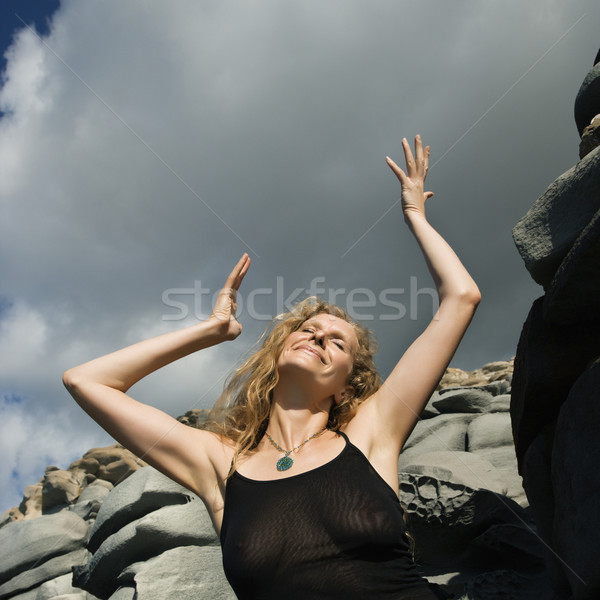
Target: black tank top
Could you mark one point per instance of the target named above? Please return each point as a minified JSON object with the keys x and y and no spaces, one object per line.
{"x":335,"y":532}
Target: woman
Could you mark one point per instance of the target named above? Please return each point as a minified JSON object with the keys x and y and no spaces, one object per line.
{"x":300,"y":478}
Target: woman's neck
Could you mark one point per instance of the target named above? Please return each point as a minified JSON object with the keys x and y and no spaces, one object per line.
{"x":296,"y":415}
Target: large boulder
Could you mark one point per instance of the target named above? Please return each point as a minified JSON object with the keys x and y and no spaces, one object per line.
{"x":464,"y":468}
{"x":572,"y":296}
{"x":38,"y":550}
{"x":537,"y":481}
{"x":463,"y":400}
{"x":185,"y":573}
{"x":145,"y":492}
{"x":442,"y":433}
{"x":547,"y":232}
{"x":45,"y":571}
{"x":143,"y":517}
{"x":445,"y":517}
{"x":112,"y":463}
{"x":549,"y":359}
{"x":25,"y":545}
{"x":576,"y":485}
{"x":59,"y":487}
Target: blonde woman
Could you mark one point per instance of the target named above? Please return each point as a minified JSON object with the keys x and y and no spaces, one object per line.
{"x":299,"y":472}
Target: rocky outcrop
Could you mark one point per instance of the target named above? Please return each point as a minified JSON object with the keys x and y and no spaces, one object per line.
{"x":466,"y":507}
{"x":549,"y":230}
{"x":151,"y":518}
{"x":60,"y":488}
{"x":554,"y":407}
{"x":46,"y":536}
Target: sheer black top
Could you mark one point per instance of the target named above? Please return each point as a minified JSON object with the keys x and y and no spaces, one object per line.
{"x":335,"y":532}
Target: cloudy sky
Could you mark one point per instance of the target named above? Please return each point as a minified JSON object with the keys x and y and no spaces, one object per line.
{"x":144,"y":146}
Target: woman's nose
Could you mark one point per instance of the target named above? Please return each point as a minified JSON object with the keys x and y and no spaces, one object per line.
{"x":320,"y":338}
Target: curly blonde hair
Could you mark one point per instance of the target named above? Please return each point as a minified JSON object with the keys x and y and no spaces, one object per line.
{"x":241,"y":414}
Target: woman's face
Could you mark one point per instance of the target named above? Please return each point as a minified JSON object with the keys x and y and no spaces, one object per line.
{"x":324,"y":346}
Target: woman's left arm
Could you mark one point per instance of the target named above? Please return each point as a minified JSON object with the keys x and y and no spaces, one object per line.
{"x":393,"y":411}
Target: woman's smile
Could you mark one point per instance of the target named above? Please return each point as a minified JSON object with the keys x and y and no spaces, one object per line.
{"x":312,"y":351}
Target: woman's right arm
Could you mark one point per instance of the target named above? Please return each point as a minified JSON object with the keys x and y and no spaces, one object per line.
{"x":184,"y":454}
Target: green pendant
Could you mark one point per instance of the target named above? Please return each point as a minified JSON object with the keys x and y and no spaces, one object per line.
{"x":283,"y":464}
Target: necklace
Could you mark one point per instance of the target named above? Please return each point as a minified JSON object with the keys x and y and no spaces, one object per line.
{"x":285,"y":462}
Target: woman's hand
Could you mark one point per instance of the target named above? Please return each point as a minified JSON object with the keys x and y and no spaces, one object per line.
{"x":226,"y":304}
{"x":413,"y":181}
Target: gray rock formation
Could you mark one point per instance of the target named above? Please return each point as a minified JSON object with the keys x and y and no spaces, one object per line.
{"x":35,"y":551}
{"x":555,"y":411}
{"x":548,"y":231}
{"x":144,"y":517}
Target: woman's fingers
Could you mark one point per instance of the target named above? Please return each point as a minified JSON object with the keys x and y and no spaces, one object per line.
{"x":237,"y":275}
{"x":418,"y":150}
{"x":400,"y":174}
{"x":417,"y":164}
{"x":408,"y":156}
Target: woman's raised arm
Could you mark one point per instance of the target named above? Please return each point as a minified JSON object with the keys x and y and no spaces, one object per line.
{"x":186,"y":455}
{"x":391,"y":414}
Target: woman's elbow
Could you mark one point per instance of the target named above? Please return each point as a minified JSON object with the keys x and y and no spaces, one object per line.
{"x":71,"y":379}
{"x":467,"y":297}
{"x":472,"y":296}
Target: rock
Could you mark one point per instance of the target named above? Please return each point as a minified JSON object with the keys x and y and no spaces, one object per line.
{"x":546,"y":348}
{"x":489,"y":431}
{"x":547,"y":232}
{"x":464,"y":468}
{"x":112,"y":463}
{"x":573,"y":292}
{"x":444,"y":517}
{"x":38,"y":573}
{"x":148,"y":491}
{"x":590,"y":138}
{"x":125,"y":592}
{"x":186,"y":573}
{"x":501,"y":458}
{"x":59,"y":487}
{"x":152,"y":534}
{"x":444,"y":432}
{"x":24,"y":545}
{"x":463,"y":400}
{"x":430,"y":411}
{"x":504,"y":584}
{"x":499,"y":387}
{"x":31,"y":504}
{"x":500,"y":403}
{"x":537,"y":482}
{"x":509,"y":544}
{"x":59,"y":588}
{"x":143,"y":516}
{"x":10,"y":515}
{"x":496,"y":371}
{"x":576,"y":484}
{"x":194,"y":417}
{"x":587,"y":102}
{"x":90,"y":500}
